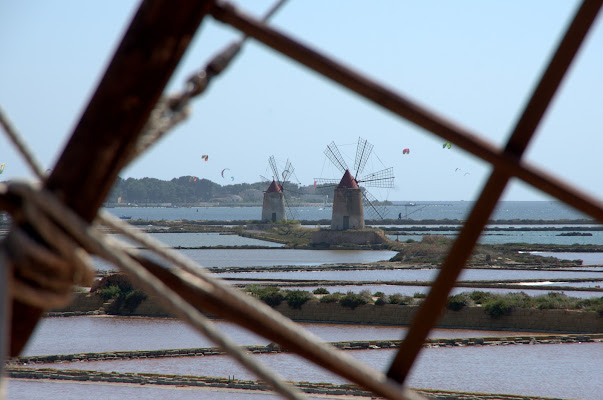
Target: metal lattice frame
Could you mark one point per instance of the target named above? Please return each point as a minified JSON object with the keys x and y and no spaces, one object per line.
{"x":106,"y":135}
{"x":363,"y":152}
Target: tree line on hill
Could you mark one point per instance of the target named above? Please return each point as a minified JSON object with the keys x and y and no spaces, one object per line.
{"x":192,"y":190}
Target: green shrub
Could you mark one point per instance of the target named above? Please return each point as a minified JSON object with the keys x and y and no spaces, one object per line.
{"x":110,"y":292}
{"x":418,"y":295}
{"x":498,"y":307}
{"x":352,"y":300}
{"x":269,"y":295}
{"x":591,"y":304}
{"x":331,"y":298}
{"x":133,"y":299}
{"x":297,"y":298}
{"x":320,"y":290}
{"x":551,"y":301}
{"x":380,"y":301}
{"x":456,"y":302}
{"x":379,"y":295}
{"x":479,"y":297}
{"x":397,"y":298}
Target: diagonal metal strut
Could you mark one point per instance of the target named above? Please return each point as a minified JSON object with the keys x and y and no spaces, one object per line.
{"x":523,"y":132}
{"x":412,"y":112}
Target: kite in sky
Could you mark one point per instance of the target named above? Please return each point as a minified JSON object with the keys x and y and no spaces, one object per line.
{"x":205,"y":157}
{"x":2,"y":167}
{"x":406,"y":151}
{"x":447,"y":144}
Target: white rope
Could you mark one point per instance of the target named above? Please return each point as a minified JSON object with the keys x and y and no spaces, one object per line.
{"x":96,"y":243}
{"x":216,"y":288}
{"x":109,"y":249}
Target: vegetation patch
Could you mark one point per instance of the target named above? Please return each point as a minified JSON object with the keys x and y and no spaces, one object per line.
{"x":297,"y":298}
{"x":124,"y":298}
{"x":353,"y":300}
{"x":456,"y":302}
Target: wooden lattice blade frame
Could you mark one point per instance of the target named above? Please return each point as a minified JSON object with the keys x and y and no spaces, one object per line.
{"x":115,"y":116}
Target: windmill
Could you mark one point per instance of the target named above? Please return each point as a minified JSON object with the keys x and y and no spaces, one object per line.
{"x":350,"y":196}
{"x":275,"y":202}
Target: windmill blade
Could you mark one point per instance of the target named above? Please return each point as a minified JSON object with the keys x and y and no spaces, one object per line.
{"x":264,"y":179}
{"x":372,"y":207}
{"x":276,"y":176}
{"x":332,"y":152}
{"x":326,"y":186}
{"x":290,"y":213}
{"x":382,"y":179}
{"x":326,"y":181}
{"x":363,"y":151}
{"x":287,"y":171}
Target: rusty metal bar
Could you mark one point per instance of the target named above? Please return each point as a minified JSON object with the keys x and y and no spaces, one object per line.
{"x":262,"y":323}
{"x":403,"y":107}
{"x":4,"y":319}
{"x":434,"y":304}
{"x":107,"y":131}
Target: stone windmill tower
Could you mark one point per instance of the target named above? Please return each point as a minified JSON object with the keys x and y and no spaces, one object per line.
{"x":350,"y":196}
{"x":274,"y":205}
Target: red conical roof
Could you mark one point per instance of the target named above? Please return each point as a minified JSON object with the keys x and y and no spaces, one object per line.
{"x":274,"y":188}
{"x":348,"y":181}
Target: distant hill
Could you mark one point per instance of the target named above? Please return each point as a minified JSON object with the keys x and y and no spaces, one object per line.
{"x":191,"y":190}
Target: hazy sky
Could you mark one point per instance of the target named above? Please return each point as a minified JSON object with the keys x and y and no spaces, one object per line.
{"x":475,"y":62}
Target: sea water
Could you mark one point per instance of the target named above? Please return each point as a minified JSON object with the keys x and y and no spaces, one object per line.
{"x":454,"y":210}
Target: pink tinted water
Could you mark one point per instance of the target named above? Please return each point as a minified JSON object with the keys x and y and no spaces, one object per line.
{"x":562,"y":370}
{"x":111,"y":333}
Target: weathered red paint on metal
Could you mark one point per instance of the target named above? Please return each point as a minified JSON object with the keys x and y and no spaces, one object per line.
{"x":107,"y":131}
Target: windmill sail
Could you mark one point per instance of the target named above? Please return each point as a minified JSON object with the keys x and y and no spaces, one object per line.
{"x":280,"y":179}
{"x":275,"y":174}
{"x":332,"y":152}
{"x":349,"y":210}
{"x":372,"y":206}
{"x":363,"y":152}
{"x":382,"y":179}
{"x":290,"y":211}
{"x":288,"y":171}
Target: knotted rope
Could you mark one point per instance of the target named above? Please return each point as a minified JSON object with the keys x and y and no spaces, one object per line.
{"x":48,"y":274}
{"x":76,"y":236}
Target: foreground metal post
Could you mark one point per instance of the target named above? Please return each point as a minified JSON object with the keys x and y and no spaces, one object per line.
{"x":435,"y":303}
{"x":111,"y":124}
{"x":4,"y":320}
{"x":412,"y":112}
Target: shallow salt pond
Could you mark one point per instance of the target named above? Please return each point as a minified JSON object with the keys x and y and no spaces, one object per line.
{"x":113,"y":333}
{"x":411,"y":290}
{"x":560,"y":370}
{"x":414,"y":275}
{"x":204,"y":239}
{"x":32,"y":389}
{"x":272,"y":257}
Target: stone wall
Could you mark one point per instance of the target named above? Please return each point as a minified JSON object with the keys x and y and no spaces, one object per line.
{"x":567,"y":321}
{"x":468,"y":317}
{"x":349,"y":236}
{"x":83,"y":302}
